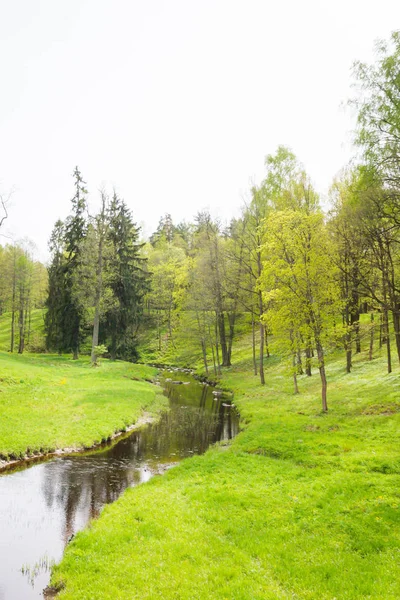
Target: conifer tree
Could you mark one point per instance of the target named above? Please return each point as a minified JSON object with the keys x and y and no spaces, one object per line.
{"x":127,"y":281}
{"x":75,"y":233}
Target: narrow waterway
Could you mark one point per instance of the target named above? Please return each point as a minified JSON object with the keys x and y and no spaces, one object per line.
{"x":43,"y":505}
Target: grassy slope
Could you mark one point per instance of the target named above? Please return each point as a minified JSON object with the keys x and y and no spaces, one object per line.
{"x":49,"y":402}
{"x":36,"y":336}
{"x":301,"y":505}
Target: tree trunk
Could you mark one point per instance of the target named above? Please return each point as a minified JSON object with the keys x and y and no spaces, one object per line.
{"x":387,"y":336}
{"x":261,"y":313}
{"x":321,"y":367}
{"x":386,"y":320}
{"x":396,"y":326}
{"x":203,"y":349}
{"x":75,"y":355}
{"x":371,"y":338}
{"x":266,"y":341}
{"x":348,"y":360}
{"x":355,"y":319}
{"x":21,"y":324}
{"x":213,"y":358}
{"x":14,"y":283}
{"x":217,"y":347}
{"x":96,"y":325}
{"x":253,"y":331}
{"x":299,"y":363}
{"x":358,"y":339}
{"x":262,"y":339}
{"x":99,"y":278}
{"x":222,"y":339}
{"x":296,"y":387}
{"x":308,"y":359}
{"x":348,"y":339}
{"x":294,"y":361}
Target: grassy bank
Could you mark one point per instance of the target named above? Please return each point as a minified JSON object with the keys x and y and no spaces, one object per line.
{"x":300,"y":505}
{"x":49,"y":402}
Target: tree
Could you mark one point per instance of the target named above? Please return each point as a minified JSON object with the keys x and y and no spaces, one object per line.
{"x":67,"y":301}
{"x":127,"y":280}
{"x":56,"y":294}
{"x":74,"y":235}
{"x":280,"y":168}
{"x":298,"y":279}
{"x":378,"y":106}
{"x":101,"y":230}
{"x":349,"y":257}
{"x":167,"y":265}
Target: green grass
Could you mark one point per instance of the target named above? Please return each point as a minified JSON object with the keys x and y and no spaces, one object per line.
{"x":35,"y":343}
{"x":301,"y":505}
{"x":49,"y":402}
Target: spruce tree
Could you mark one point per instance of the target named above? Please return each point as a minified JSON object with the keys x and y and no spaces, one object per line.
{"x":127,"y":281}
{"x":75,"y":233}
{"x":65,"y":309}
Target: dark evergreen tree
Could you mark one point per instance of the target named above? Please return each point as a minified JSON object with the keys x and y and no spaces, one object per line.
{"x":75,"y":232}
{"x":65,"y":323}
{"x":127,"y":281}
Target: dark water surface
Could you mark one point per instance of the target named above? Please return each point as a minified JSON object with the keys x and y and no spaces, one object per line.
{"x":43,"y":505}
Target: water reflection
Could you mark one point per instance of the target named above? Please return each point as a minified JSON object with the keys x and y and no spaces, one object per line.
{"x":44,"y":505}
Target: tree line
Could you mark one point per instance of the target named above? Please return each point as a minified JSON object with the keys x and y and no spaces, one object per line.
{"x":295,"y":271}
{"x":23,"y":288}
{"x":284,"y":268}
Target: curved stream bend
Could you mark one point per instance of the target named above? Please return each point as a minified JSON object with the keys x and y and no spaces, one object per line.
{"x":43,"y":505}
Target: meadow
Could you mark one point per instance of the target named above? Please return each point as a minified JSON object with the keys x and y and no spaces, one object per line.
{"x":301,"y":504}
{"x":50,"y":402}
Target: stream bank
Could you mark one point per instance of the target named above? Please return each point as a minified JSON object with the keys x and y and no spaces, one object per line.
{"x":45,"y":505}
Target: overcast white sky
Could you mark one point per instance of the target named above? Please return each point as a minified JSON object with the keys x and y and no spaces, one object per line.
{"x":175,"y":102}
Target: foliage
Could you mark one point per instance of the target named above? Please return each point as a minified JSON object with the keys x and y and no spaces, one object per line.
{"x":99,"y":351}
{"x":378,"y":108}
{"x":23,"y":282}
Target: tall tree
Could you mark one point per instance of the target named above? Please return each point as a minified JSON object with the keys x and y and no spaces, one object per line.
{"x":101,"y":228}
{"x":299,"y":276}
{"x":75,"y":232}
{"x":127,"y":280}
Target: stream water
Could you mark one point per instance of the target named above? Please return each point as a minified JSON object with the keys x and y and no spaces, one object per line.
{"x":42,"y":505}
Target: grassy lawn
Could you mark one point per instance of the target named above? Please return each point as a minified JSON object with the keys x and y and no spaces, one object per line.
{"x":49,"y":402}
{"x":300,"y":505}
